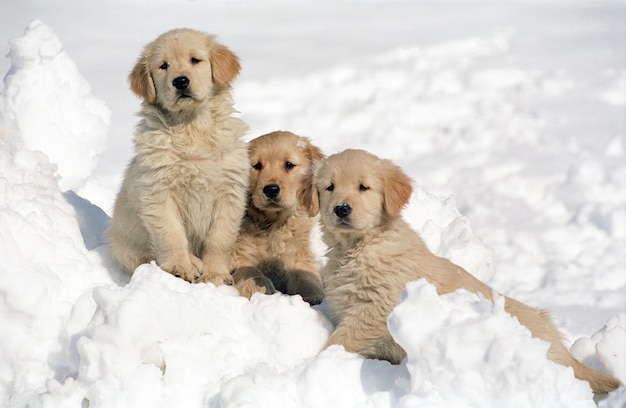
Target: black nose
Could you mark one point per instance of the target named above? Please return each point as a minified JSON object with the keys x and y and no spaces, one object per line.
{"x":342,"y":210}
{"x":271,"y":190}
{"x":180,"y":82}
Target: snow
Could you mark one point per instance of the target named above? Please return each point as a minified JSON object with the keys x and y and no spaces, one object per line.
{"x":509,"y":117}
{"x":40,"y":63}
{"x":463,"y":335}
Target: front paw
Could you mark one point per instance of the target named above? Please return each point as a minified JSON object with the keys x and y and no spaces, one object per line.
{"x":250,"y":280}
{"x":307,"y":285}
{"x":216,"y":278}
{"x":189,"y":272}
{"x":251,"y":286}
{"x":311,"y":292}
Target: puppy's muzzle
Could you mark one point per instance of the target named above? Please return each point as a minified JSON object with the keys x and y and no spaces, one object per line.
{"x":180,"y":83}
{"x":342,"y":210}
{"x":271,"y":191}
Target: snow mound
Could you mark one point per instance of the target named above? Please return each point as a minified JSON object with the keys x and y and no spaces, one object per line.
{"x":605,"y":348}
{"x":448,"y":233}
{"x":50,"y":104}
{"x":464,"y":350}
{"x":44,"y":269}
{"x":160,"y":341}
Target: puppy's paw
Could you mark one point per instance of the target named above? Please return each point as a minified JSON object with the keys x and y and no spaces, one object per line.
{"x":189,"y":269}
{"x":216,"y":278}
{"x":190,"y":274}
{"x":312,"y":293}
{"x":309,"y":286}
{"x":250,"y":280}
{"x":249,"y":287}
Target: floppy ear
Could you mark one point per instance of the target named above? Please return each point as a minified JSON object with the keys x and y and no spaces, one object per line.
{"x":397,"y":189}
{"x":224,"y":65}
{"x":314,"y":153}
{"x":141,"y":82}
{"x":308,"y":195}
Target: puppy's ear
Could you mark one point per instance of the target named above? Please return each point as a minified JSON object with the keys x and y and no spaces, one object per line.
{"x":314,"y":153}
{"x":224,"y":65}
{"x":308,"y":195}
{"x":141,"y":82}
{"x":397,"y":189}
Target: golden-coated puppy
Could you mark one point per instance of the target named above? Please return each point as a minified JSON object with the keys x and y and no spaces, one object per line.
{"x":273,"y":251}
{"x":184,"y":192}
{"x":373,"y":253}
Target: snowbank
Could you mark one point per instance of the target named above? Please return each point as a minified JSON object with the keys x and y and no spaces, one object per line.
{"x":462,"y":351}
{"x":45,"y":269}
{"x":465,"y":350}
{"x":160,"y":341}
{"x":50,"y":105}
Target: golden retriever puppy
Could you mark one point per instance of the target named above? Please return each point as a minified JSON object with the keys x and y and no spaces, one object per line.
{"x":273,"y":250}
{"x":373,"y":253}
{"x":184,"y":192}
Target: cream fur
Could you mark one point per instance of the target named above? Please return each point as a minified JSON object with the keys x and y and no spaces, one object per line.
{"x":373,"y":253}
{"x":273,"y":251}
{"x":184,"y":192}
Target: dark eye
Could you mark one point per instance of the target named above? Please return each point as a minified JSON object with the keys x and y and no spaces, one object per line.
{"x":363,"y":187}
{"x":164,"y":65}
{"x":258,"y":166}
{"x":289,"y":165}
{"x":331,"y":187}
{"x":194,"y":60}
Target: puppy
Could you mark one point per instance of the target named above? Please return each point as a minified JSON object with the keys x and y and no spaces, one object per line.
{"x":273,"y":250}
{"x":373,"y":253}
{"x":184,"y":192}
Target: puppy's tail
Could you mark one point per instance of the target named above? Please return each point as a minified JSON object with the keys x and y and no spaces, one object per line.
{"x":541,"y":326}
{"x":601,"y":383}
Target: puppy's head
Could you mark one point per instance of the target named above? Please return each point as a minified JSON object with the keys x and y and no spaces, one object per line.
{"x":181,"y":69}
{"x":356,"y":192}
{"x":280,"y":162}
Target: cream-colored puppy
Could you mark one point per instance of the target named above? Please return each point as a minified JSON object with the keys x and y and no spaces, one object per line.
{"x":273,"y":250}
{"x":184,"y":192}
{"x":373,"y":253}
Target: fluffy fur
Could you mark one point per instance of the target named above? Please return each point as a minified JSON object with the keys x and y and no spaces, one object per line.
{"x":373,"y":253}
{"x":184,"y":192}
{"x":273,"y":251}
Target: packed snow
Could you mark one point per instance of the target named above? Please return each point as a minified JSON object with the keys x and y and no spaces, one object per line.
{"x":512,"y":126}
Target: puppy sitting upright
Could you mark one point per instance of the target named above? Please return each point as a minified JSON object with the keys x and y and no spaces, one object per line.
{"x":184,"y":192}
{"x":273,"y":251}
{"x":373,"y":253}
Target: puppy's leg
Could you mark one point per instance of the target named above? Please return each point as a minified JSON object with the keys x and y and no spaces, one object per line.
{"x":127,"y":237}
{"x":250,"y":280}
{"x":128,"y":246}
{"x":168,"y":240}
{"x":368,"y":341}
{"x":302,"y":278}
{"x":216,"y":260}
{"x":219,"y":241}
{"x":306,"y":284}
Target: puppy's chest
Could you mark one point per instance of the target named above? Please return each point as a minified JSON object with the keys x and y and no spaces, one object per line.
{"x":187,"y":176}
{"x":356,"y":287}
{"x":200,"y":169}
{"x":348,"y":275}
{"x":274,"y":242}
